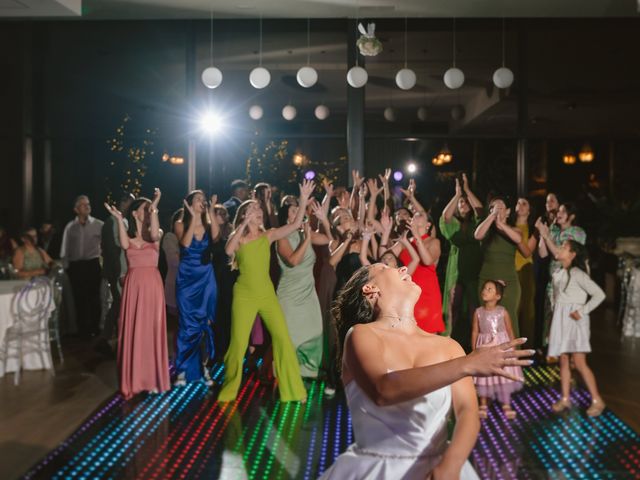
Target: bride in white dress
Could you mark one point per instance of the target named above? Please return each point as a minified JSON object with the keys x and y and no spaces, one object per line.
{"x":401,"y":382}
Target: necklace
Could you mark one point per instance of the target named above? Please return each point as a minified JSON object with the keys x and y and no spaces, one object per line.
{"x":399,"y":320}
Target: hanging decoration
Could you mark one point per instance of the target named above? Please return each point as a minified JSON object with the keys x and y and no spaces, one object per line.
{"x":586,"y":155}
{"x":256,"y":112}
{"x":260,"y":76}
{"x":503,"y":77}
{"x":211,"y":76}
{"x":322,"y":112}
{"x":390,"y":114}
{"x":289,"y":112}
{"x":405,"y":78}
{"x":368,"y":44}
{"x":128,"y":166}
{"x":307,"y":75}
{"x":454,"y":77}
{"x":357,"y":77}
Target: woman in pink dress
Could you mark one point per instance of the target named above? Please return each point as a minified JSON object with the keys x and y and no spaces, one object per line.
{"x":143,"y":363}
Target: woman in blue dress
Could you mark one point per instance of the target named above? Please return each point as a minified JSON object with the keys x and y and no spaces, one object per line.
{"x":196,"y":289}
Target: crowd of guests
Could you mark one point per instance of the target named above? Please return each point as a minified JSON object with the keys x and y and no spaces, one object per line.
{"x":257,"y":275}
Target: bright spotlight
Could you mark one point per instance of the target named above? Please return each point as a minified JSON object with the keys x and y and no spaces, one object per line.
{"x":398,"y":176}
{"x":411,"y":167}
{"x":211,"y":123}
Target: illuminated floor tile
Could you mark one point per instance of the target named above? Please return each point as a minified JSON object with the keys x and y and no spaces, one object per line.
{"x":185,"y":434}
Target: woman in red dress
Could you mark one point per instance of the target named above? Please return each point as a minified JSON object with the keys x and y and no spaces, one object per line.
{"x":428,"y":309}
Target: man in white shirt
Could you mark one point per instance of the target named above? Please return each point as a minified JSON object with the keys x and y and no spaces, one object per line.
{"x":80,"y":253}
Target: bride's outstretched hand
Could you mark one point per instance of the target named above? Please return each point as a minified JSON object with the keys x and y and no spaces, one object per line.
{"x":489,"y":361}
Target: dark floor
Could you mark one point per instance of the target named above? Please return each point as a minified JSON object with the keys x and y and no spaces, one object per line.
{"x":51,"y":428}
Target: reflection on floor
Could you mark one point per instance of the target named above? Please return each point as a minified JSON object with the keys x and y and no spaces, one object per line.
{"x":185,"y":434}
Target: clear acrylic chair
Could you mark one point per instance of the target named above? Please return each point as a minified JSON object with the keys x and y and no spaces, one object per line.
{"x":54,"y":321}
{"x":31,"y":307}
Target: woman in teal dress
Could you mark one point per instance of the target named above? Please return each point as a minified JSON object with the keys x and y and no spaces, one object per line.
{"x":296,"y":290}
{"x":499,"y":242}
{"x":458,"y":224}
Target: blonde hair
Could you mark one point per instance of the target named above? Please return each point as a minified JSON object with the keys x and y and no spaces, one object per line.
{"x":241,"y":213}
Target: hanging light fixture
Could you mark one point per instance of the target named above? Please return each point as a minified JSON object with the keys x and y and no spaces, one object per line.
{"x":357,"y":76}
{"x":437,"y":161}
{"x":211,"y":76}
{"x":454,"y":77}
{"x":586,"y":154}
{"x":307,"y":75}
{"x":260,"y":77}
{"x":503,"y":77}
{"x":569,"y":158}
{"x":444,"y":155}
{"x":405,"y":78}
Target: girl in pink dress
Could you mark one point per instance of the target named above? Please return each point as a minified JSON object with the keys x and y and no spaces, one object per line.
{"x":143,"y":363}
{"x":492,"y":326}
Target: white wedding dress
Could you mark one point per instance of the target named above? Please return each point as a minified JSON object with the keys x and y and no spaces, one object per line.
{"x":402,"y":441}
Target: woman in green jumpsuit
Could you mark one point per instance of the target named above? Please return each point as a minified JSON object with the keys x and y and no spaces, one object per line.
{"x":499,"y":242}
{"x":253,"y":293}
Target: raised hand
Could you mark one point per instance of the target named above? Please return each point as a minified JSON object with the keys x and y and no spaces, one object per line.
{"x":328,"y":187}
{"x":372,"y":185}
{"x":465,"y":182}
{"x":189,"y":208}
{"x":357,"y":179}
{"x":362,"y":191}
{"x":113,"y":211}
{"x":411,"y":189}
{"x":384,"y":178}
{"x":458,"y":188}
{"x":318,"y":211}
{"x":306,"y":189}
{"x":404,"y":238}
{"x":542,"y":227}
{"x":385,"y":221}
{"x":489,"y":361}
{"x":156,"y":198}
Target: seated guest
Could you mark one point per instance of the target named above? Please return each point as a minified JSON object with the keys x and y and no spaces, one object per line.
{"x":28,"y":259}
{"x":7,"y":245}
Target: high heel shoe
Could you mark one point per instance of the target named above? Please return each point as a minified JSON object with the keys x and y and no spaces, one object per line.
{"x":596,"y":408}
{"x":563,"y":404}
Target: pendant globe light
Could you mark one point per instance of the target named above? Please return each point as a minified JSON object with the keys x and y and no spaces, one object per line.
{"x":503,"y":77}
{"x":357,"y":76}
{"x":211,"y":76}
{"x":260,"y":77}
{"x":454,"y":77}
{"x":307,"y":75}
{"x":405,"y":78}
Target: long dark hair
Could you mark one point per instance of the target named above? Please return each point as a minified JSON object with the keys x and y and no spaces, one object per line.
{"x":132,"y":228}
{"x":350,"y":308}
{"x":581,"y":260}
{"x":571,"y":209}
{"x":186,"y":216}
{"x":283,"y":212}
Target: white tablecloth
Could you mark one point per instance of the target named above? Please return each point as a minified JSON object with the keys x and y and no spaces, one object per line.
{"x":31,"y":361}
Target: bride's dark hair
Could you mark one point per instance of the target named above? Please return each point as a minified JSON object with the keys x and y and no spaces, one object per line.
{"x":350,"y":308}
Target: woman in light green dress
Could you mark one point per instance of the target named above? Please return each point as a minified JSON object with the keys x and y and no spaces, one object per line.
{"x":296,"y":289}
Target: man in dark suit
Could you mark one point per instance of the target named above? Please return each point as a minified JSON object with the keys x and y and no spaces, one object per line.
{"x":114,"y":268}
{"x":239,"y":193}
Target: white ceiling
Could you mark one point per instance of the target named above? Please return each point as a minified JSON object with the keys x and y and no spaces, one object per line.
{"x":187,"y":9}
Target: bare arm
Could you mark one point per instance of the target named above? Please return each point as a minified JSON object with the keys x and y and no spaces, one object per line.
{"x":364,"y":248}
{"x":122,"y":231}
{"x":474,"y":330}
{"x":410,"y":194}
{"x":364,"y":362}
{"x":473,"y":200}
{"x":415,"y":258}
{"x":512,"y":233}
{"x":450,"y":209}
{"x":339,"y":251}
{"x":527,"y":248}
{"x":483,"y":228}
{"x":275,"y":234}
{"x":465,"y":432}
{"x":290,"y":256}
{"x":214,"y":227}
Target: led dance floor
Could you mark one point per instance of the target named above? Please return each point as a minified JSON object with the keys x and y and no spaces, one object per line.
{"x":186,"y":434}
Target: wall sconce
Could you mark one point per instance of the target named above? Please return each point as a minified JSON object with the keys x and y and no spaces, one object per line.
{"x":586,"y":155}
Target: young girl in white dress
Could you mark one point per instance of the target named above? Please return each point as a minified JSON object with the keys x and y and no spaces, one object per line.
{"x":570,"y":329}
{"x":401,"y":383}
